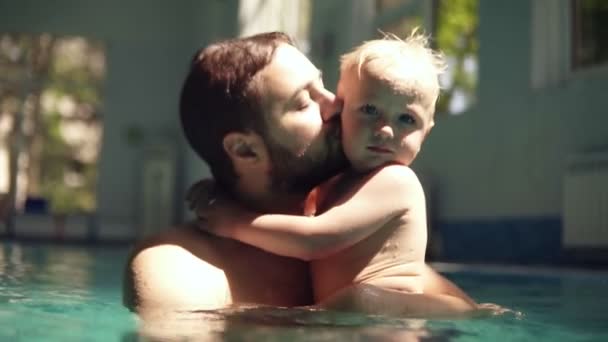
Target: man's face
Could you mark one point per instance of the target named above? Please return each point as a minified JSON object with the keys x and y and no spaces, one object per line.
{"x":304,"y":150}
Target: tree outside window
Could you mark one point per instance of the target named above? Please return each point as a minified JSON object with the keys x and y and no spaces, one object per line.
{"x":452,"y":25}
{"x":50,"y":119}
{"x":455,"y":31}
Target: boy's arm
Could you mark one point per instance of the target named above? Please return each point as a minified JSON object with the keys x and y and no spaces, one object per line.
{"x":382,"y":196}
{"x":376,"y":300}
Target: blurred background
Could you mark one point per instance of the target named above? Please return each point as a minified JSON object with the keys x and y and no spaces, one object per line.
{"x":515,"y":171}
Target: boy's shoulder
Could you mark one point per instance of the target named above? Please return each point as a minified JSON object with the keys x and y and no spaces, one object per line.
{"x":389,"y":181}
{"x":391,"y":174}
{"x":396,"y":175}
{"x":397,"y":182}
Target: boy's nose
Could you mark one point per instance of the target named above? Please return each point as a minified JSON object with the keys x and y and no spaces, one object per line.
{"x":385,"y":132}
{"x":330,"y":105}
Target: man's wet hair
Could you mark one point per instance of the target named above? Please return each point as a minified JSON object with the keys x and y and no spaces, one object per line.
{"x":220,"y":96}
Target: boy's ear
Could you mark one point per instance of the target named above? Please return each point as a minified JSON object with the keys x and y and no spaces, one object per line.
{"x":431,"y":125}
{"x":247,"y":148}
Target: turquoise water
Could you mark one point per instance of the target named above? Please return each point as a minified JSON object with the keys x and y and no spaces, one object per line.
{"x":59,"y":293}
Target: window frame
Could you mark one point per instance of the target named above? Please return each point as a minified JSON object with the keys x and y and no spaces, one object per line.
{"x":552,"y":45}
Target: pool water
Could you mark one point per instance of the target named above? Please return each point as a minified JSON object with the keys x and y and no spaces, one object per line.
{"x":61,"y":293}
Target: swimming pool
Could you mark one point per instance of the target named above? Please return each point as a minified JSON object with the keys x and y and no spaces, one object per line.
{"x":67,"y":293}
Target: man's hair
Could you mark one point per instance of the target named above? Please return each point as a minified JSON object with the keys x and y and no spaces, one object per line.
{"x":219,"y":97}
{"x":390,"y":53}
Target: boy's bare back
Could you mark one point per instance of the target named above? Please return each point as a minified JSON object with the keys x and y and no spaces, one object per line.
{"x":391,"y":258}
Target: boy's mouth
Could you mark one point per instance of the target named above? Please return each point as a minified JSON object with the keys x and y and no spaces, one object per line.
{"x":379,"y":149}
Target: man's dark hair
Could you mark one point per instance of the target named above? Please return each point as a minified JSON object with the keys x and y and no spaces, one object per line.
{"x":218,"y":97}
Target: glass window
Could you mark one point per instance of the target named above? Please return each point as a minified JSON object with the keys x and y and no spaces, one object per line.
{"x":382,"y":5}
{"x":399,"y":17}
{"x":292,"y":17}
{"x":455,"y":33}
{"x":589,"y":33}
{"x":452,"y":25}
{"x":50,"y":121}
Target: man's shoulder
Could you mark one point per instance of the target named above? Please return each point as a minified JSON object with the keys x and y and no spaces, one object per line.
{"x":165,"y":268}
{"x":175,"y":247}
{"x":171,"y":237}
{"x":185,"y":268}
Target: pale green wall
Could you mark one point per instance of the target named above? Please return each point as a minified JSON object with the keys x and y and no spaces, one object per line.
{"x":149,"y":45}
{"x":334,"y":31}
{"x":507,"y":156}
{"x":214,"y":20}
{"x":503,"y":158}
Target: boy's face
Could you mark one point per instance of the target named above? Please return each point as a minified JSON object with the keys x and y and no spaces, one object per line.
{"x":384,"y":121}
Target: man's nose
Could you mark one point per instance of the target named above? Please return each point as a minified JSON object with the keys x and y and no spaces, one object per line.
{"x":329,"y":104}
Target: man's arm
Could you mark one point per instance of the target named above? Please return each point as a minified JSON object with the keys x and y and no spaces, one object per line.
{"x":380,"y":197}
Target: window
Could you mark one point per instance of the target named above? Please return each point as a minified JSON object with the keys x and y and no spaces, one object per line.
{"x":50,"y":122}
{"x":291,"y":17}
{"x":589,"y":33}
{"x":453,"y":27}
{"x":400,"y":17}
{"x":568,"y":36}
{"x":455,"y":31}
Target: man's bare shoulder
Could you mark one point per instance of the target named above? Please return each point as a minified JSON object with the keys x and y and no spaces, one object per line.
{"x":176,"y":241}
{"x":182,"y":236}
{"x":179,"y":244}
{"x":184,"y":268}
{"x":167,"y":270}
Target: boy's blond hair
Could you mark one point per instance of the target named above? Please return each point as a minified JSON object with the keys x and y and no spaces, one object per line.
{"x":386,"y":57}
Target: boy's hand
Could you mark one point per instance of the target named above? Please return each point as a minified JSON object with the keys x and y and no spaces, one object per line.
{"x":217,"y":213}
{"x":491,"y":309}
{"x":200,"y":194}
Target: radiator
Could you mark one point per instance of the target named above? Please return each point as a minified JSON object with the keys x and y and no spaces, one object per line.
{"x":157,"y":189}
{"x":585,"y":211}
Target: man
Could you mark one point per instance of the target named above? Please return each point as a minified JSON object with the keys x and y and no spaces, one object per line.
{"x":252,"y":108}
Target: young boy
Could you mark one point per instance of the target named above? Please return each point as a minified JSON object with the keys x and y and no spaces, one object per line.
{"x":370,"y":239}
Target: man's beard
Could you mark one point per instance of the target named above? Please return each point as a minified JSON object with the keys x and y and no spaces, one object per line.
{"x":298,"y":174}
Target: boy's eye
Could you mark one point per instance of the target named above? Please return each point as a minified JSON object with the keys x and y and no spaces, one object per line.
{"x":369,"y":109}
{"x":407,"y":119}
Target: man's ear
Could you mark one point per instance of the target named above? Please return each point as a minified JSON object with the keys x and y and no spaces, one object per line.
{"x":248,"y":148}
